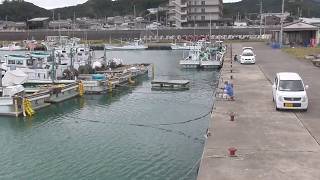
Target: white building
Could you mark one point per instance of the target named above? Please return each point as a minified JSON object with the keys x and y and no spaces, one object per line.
{"x":199,"y":13}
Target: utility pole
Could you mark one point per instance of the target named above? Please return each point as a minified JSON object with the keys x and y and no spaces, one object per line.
{"x":0,"y":74}
{"x":281,"y":28}
{"x":59,"y":29}
{"x":194,"y":27}
{"x":210,"y":29}
{"x":260,"y":18}
{"x":265,"y":24}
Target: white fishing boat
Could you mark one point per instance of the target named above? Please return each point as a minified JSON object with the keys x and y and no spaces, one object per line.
{"x":14,"y":101}
{"x":212,"y":60}
{"x":185,"y":46}
{"x":192,"y":61}
{"x":37,"y":66}
{"x":12,"y":47}
{"x":136,"y":45}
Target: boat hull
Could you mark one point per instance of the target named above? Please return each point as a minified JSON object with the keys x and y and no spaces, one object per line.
{"x":189,"y":64}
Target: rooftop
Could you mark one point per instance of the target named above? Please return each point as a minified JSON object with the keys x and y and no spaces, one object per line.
{"x":299,"y":26}
{"x":39,"y":19}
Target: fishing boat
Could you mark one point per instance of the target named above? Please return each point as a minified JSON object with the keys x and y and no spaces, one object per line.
{"x":14,"y":100}
{"x":38,"y":67}
{"x":211,"y":59}
{"x":14,"y":46}
{"x":135,"y":45}
{"x":42,"y":75}
{"x":185,"y":46}
{"x":192,"y":61}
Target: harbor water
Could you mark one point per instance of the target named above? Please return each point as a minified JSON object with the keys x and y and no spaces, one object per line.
{"x":133,"y":133}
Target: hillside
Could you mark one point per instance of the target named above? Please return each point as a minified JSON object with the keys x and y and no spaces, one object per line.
{"x":102,"y":8}
{"x":21,"y":11}
{"x":18,"y":10}
{"x":310,"y":8}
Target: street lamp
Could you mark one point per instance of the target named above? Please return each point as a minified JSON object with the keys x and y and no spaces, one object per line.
{"x":281,"y":28}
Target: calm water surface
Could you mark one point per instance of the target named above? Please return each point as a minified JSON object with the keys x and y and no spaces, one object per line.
{"x":134,"y":133}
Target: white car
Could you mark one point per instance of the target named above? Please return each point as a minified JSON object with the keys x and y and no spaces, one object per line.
{"x":247,"y":56}
{"x":289,"y":92}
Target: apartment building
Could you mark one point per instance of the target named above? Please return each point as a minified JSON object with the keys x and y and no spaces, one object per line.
{"x":199,"y":13}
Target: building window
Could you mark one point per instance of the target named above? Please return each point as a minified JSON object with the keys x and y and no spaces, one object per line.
{"x":203,"y":10}
{"x":203,"y":18}
{"x":195,"y":9}
{"x":195,"y":2}
{"x":195,"y":17}
{"x":203,"y":2}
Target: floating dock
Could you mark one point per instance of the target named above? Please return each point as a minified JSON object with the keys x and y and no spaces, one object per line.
{"x":170,"y":84}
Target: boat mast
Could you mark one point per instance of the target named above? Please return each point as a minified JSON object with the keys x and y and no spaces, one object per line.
{"x":105,"y":56}
{"x":53,"y":71}
{"x":71,"y":57}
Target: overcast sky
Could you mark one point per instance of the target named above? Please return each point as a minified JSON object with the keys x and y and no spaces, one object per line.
{"x":50,"y":4}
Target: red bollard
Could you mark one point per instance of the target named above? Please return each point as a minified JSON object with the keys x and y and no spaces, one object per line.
{"x":232,"y":152}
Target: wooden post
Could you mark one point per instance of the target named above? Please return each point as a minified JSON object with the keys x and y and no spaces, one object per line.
{"x":110,"y":86}
{"x":153,"y":71}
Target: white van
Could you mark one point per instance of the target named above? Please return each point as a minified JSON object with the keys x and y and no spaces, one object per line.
{"x":289,"y":92}
{"x":247,"y":56}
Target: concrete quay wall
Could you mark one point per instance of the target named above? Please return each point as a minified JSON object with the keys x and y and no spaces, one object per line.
{"x":117,"y":34}
{"x":270,"y":144}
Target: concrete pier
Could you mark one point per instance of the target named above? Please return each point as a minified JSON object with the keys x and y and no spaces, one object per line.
{"x":270,"y":144}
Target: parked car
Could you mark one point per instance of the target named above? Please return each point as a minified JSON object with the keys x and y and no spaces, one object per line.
{"x":247,"y":56}
{"x":289,"y":91}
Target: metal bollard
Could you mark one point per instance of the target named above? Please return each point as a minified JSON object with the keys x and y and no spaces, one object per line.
{"x":232,"y":116}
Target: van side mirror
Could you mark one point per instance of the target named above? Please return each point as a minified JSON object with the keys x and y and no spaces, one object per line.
{"x":306,"y":86}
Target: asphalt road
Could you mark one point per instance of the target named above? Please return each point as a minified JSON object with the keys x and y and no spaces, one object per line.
{"x":272,"y":61}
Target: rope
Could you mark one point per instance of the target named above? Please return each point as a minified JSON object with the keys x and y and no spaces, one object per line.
{"x":187,"y":174}
{"x":142,"y":125}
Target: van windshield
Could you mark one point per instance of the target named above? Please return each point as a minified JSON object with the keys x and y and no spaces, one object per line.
{"x":247,"y":54}
{"x":291,"y":85}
